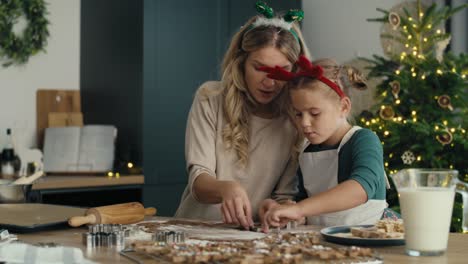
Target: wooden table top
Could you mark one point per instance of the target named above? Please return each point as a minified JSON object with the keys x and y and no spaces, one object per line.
{"x":457,"y":249}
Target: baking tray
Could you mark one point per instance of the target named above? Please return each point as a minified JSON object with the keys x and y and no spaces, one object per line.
{"x":31,"y":217}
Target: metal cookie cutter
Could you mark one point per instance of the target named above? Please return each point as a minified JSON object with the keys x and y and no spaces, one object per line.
{"x":291,"y":225}
{"x":4,"y":234}
{"x":6,"y":237}
{"x":169,"y":237}
{"x":105,"y":235}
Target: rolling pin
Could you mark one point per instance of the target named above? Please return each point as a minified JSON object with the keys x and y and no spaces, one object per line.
{"x":125,"y":213}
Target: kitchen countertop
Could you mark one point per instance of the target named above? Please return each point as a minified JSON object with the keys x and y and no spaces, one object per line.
{"x":457,"y":249}
{"x":78,"y":181}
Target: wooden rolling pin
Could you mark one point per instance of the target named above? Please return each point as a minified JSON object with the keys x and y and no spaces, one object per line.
{"x":125,"y":213}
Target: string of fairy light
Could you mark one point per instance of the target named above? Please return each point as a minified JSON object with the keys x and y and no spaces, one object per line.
{"x":437,"y":127}
{"x":111,"y":174}
{"x":442,"y":126}
{"x":417,"y":50}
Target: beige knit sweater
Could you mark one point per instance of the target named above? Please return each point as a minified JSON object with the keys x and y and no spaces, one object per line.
{"x":269,"y":172}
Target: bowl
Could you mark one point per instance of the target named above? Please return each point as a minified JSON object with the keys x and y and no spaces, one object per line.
{"x":14,"y":193}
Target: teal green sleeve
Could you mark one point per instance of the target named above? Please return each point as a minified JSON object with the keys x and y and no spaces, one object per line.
{"x":367,"y":164}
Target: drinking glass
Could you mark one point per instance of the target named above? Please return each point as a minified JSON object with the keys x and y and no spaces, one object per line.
{"x":426,"y":200}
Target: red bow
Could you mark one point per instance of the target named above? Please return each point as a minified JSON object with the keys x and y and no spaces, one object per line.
{"x":307,"y":70}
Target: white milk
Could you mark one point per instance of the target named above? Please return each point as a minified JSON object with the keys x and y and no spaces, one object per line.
{"x":426,"y":212}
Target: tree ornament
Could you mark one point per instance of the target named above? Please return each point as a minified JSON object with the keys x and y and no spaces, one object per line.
{"x":445,"y":137}
{"x":394,"y":20}
{"x":17,"y":49}
{"x":386,"y":112}
{"x":408,"y":157}
{"x":362,"y":99}
{"x":440,"y":47}
{"x":444,"y":101}
{"x":395,"y":85}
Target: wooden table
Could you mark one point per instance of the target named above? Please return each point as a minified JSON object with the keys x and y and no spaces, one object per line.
{"x":457,"y":248}
{"x":457,"y":252}
{"x":73,"y":238}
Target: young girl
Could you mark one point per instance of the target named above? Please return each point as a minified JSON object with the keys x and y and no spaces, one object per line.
{"x":233,"y":160}
{"x":341,"y":165}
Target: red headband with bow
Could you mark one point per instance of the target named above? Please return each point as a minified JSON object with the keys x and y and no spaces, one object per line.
{"x":307,"y":70}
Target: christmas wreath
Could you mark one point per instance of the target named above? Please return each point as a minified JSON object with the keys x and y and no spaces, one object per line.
{"x":16,"y":49}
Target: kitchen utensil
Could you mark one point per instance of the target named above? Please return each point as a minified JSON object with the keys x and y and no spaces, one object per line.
{"x":29,"y":179}
{"x":169,"y":236}
{"x":54,"y":101}
{"x":105,"y":235}
{"x":13,"y":193}
{"x":32,"y":217}
{"x":339,"y":235}
{"x":125,"y":213}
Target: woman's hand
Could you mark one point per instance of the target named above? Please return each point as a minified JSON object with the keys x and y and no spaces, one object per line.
{"x":280,"y":215}
{"x":235,"y":205}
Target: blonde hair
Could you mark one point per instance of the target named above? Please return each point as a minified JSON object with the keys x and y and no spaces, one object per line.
{"x":345,"y":76}
{"x":238,"y":103}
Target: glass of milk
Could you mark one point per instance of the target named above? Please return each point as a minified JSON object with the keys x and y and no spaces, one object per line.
{"x":426,"y":200}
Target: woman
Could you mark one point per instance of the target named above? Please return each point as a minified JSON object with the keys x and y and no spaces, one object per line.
{"x":239,"y":141}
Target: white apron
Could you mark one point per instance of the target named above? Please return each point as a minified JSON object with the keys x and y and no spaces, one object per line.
{"x":323,"y":165}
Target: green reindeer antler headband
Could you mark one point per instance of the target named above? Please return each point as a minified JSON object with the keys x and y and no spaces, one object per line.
{"x":269,"y":18}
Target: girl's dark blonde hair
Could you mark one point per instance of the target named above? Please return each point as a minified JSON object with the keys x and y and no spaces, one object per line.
{"x":238,"y":103}
{"x":345,"y":76}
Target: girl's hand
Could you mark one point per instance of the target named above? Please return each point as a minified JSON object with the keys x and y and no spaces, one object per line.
{"x":280,"y":215}
{"x":235,"y":206}
{"x":266,"y":205}
{"x":300,"y":221}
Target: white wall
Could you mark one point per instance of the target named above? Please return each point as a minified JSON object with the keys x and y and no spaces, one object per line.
{"x":338,"y":28}
{"x":459,"y":29}
{"x":58,"y":68}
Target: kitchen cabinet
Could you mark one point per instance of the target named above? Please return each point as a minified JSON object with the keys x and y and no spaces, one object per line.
{"x":87,"y":191}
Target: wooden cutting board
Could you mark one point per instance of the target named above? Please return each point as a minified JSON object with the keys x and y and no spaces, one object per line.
{"x":65,"y":119}
{"x":54,"y":101}
{"x":29,"y":217}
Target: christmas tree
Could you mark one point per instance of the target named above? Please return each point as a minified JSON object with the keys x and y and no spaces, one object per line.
{"x":421,"y":113}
